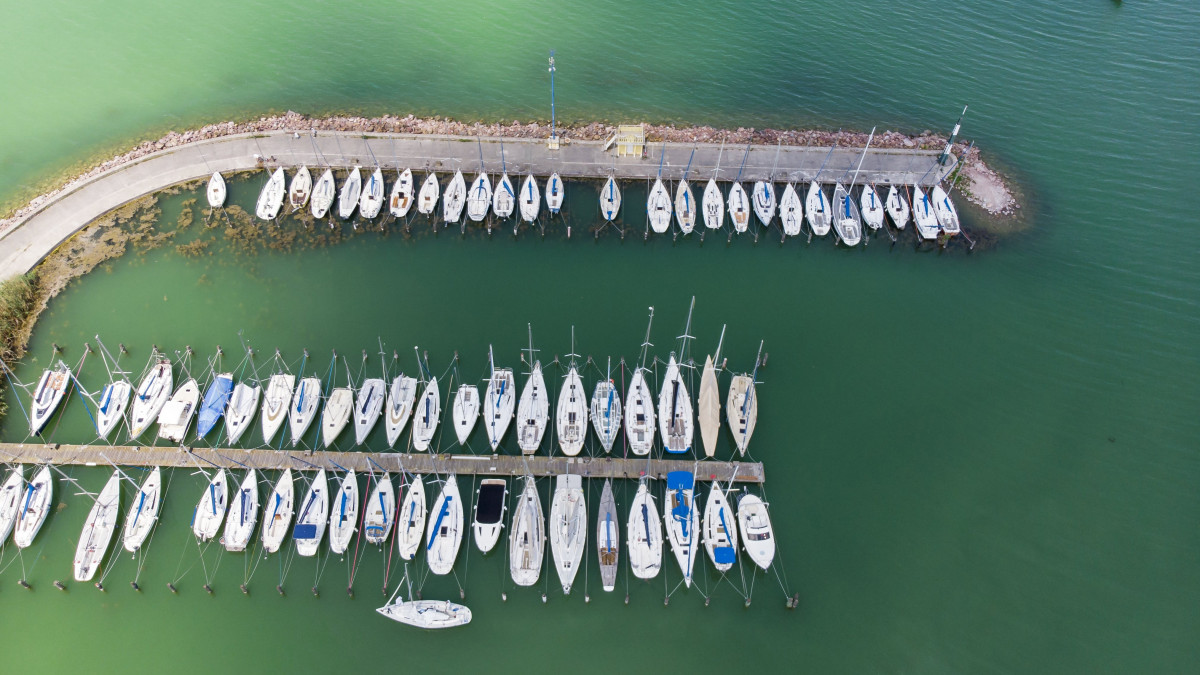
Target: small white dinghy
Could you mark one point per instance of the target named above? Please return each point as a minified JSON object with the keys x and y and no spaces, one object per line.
{"x":427,"y":614}
{"x":111,"y":407}
{"x":216,"y":191}
{"x":301,"y":188}
{"x":380,"y":511}
{"x":303,"y":408}
{"x":923,"y":215}
{"x":343,"y":516}
{"x":846,"y":220}
{"x":48,"y":394}
{"x":177,"y":413}
{"x":12,"y":495}
{"x":35,"y":506}
{"x":554,"y":193}
{"x":143,"y":512}
{"x":658,"y":207}
{"x":757,"y":536}
{"x":708,"y":405}
{"x":527,"y":537}
{"x":444,"y":536}
{"x":742,"y":410}
{"x":572,"y":414}
{"x":644,"y":532}
{"x":371,"y":201}
{"x":490,"y":506}
{"x":426,"y":416}
{"x":349,"y":196}
{"x":428,"y":197}
{"x":455,"y":199}
{"x":98,"y":530}
{"x":278,"y":512}
{"x":947,"y":215}
{"x":608,"y":537}
{"x":606,"y":413}
{"x":819,"y":210}
{"x":270,"y":200}
{"x":336,"y":414}
{"x":872,"y":207}
{"x":682,"y":520}
{"x":639,"y":414}
{"x":275,"y":404}
{"x":499,"y":402}
{"x":568,"y":528}
{"x":243,"y":514}
{"x":533,"y":412}
{"x":311,"y":517}
{"x":610,"y":199}
{"x":399,"y":406}
{"x":367,"y":408}
{"x":675,"y":419}
{"x":714,"y":205}
{"x":410,"y":528}
{"x":466,"y":411}
{"x":764,"y":202}
{"x":243,"y":404}
{"x":210,"y":510}
{"x":531,"y":199}
{"x":323,"y":193}
{"x":401,"y":199}
{"x":739,"y":207}
{"x":685,"y":208}
{"x":505,"y":198}
{"x":897,"y":208}
{"x":720,"y":530}
{"x":479,"y":199}
{"x":150,"y":397}
{"x":791,"y":212}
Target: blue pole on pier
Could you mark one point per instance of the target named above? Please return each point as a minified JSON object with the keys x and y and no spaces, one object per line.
{"x":950,"y":143}
{"x":553,"y":134}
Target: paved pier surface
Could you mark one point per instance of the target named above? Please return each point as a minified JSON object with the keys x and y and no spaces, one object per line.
{"x":488,"y":465}
{"x":27,"y":241}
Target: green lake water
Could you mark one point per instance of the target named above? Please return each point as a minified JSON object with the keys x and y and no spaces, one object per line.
{"x":976,"y":462}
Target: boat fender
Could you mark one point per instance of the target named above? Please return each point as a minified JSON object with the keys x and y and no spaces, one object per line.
{"x":587,"y":599}
{"x":543,"y":598}
{"x":25,"y":585}
{"x":350,"y":591}
{"x":245,"y":591}
{"x":100,"y":586}
{"x":666,"y":601}
{"x":626,"y":598}
{"x":134,"y":586}
{"x":747,"y":603}
{"x":462,"y":593}
{"x":171,"y":587}
{"x":60,"y":585}
{"x":504,"y":597}
{"x":706,"y":601}
{"x":208,"y":589}
{"x":279,"y":588}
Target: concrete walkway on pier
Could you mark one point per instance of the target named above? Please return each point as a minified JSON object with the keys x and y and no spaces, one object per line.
{"x":28,"y":241}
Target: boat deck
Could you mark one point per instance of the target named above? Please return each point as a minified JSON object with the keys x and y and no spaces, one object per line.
{"x":420,"y":463}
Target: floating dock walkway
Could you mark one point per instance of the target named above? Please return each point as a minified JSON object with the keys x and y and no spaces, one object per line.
{"x":362,"y":462}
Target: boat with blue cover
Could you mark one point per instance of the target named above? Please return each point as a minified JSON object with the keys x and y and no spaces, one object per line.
{"x":381,"y":511}
{"x":215,"y":401}
{"x":444,"y":536}
{"x":682,"y":520}
{"x":310,"y":521}
{"x":720,"y":530}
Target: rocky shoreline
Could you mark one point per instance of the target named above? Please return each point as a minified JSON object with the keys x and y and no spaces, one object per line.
{"x":980,"y":185}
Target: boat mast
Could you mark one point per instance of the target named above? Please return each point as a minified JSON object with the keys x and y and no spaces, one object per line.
{"x":743,"y":166}
{"x":753,"y":378}
{"x":860,"y":161}
{"x":573,"y":355}
{"x":686,"y":329}
{"x":646,"y":343}
{"x":721,"y":341}
{"x":688,"y":170}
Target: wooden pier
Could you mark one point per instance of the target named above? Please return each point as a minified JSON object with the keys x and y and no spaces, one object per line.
{"x":423,"y":463}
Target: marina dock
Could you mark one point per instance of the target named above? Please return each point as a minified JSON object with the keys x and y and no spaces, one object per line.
{"x":363,"y":462}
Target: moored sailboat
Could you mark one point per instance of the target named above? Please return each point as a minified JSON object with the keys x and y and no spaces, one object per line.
{"x":275,"y":404}
{"x":322,"y":195}
{"x":426,"y":415}
{"x":215,"y":401}
{"x":243,"y":514}
{"x":897,"y":208}
{"x":303,"y":408}
{"x":606,"y":411}
{"x":143,"y":512}
{"x":98,"y":529}
{"x":150,"y":397}
{"x":210,"y":510}
{"x":466,"y":411}
{"x":455,"y":199}
{"x":568,"y":528}
{"x":177,"y":413}
{"x":278,"y":512}
{"x":610,"y":199}
{"x":531,"y":199}
{"x":428,"y":197}
{"x":479,"y":198}
{"x":943,"y":208}
{"x":758,"y":538}
{"x":444,"y":536}
{"x":791,"y":212}
{"x":270,"y":199}
{"x":336,"y":414}
{"x":410,"y":526}
{"x":846,"y":220}
{"x":216,"y":191}
{"x":349,"y":196}
{"x":47,"y":395}
{"x":401,"y":198}
{"x":872,"y":207}
{"x":311,"y":518}
{"x":682,"y":520}
{"x":608,"y":537}
{"x":371,"y":201}
{"x":380,"y":514}
{"x":554,"y":193}
{"x":243,"y":404}
{"x":490,"y":505}
{"x":343,"y":516}
{"x":401,"y":395}
{"x":12,"y":494}
{"x":720,"y":529}
{"x":367,"y":408}
{"x":644,"y":532}
{"x":499,"y":402}
{"x":300,"y":189}
{"x":527,"y":537}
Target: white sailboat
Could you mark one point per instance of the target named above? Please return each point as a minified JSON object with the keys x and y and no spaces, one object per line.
{"x":243,"y":514}
{"x":47,"y":395}
{"x":343,"y":516}
{"x":606,"y":410}
{"x":554,"y":193}
{"x":216,"y":191}
{"x":278,"y":512}
{"x":466,"y":411}
{"x":479,"y":199}
{"x":336,"y":414}
{"x":411,"y":520}
{"x":242,"y":406}
{"x":380,"y":512}
{"x":608,"y":537}
{"x":742,"y":410}
{"x":371,"y":201}
{"x":682,"y":520}
{"x":720,"y":530}
{"x":35,"y":506}
{"x":301,"y":188}
{"x":709,"y":402}
{"x":644,"y":532}
{"x":143,"y":512}
{"x":367,"y":408}
{"x":527,"y":537}
{"x":490,"y":505}
{"x":533,"y":411}
{"x":444,"y":536}
{"x":610,"y":199}
{"x":572,"y":413}
{"x":270,"y":199}
{"x":12,"y":495}
{"x":758,"y":538}
{"x":323,"y":193}
{"x":531,"y":199}
{"x":427,"y":614}
{"x":872,"y":207}
{"x":568,"y":528}
{"x":675,"y":417}
{"x":714,"y":205}
{"x":924,"y":217}
{"x":499,"y":402}
{"x":150,"y":397}
{"x":943,"y":208}
{"x":685,"y":203}
{"x":428,"y":197}
{"x":846,"y":220}
{"x":639,"y":404}
{"x":98,"y":530}
{"x":791,"y":212}
{"x":349,"y":196}
{"x":426,"y":415}
{"x":819,"y":210}
{"x":455,"y":199}
{"x":504,"y":200}
{"x":897,"y":208}
{"x":399,"y":406}
{"x":739,"y":208}
{"x":111,"y":407}
{"x":276,"y":401}
{"x":303,"y":408}
{"x":658,"y":207}
{"x":764,"y":201}
{"x":311,"y":517}
{"x":210,"y":510}
{"x":401,"y":199}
